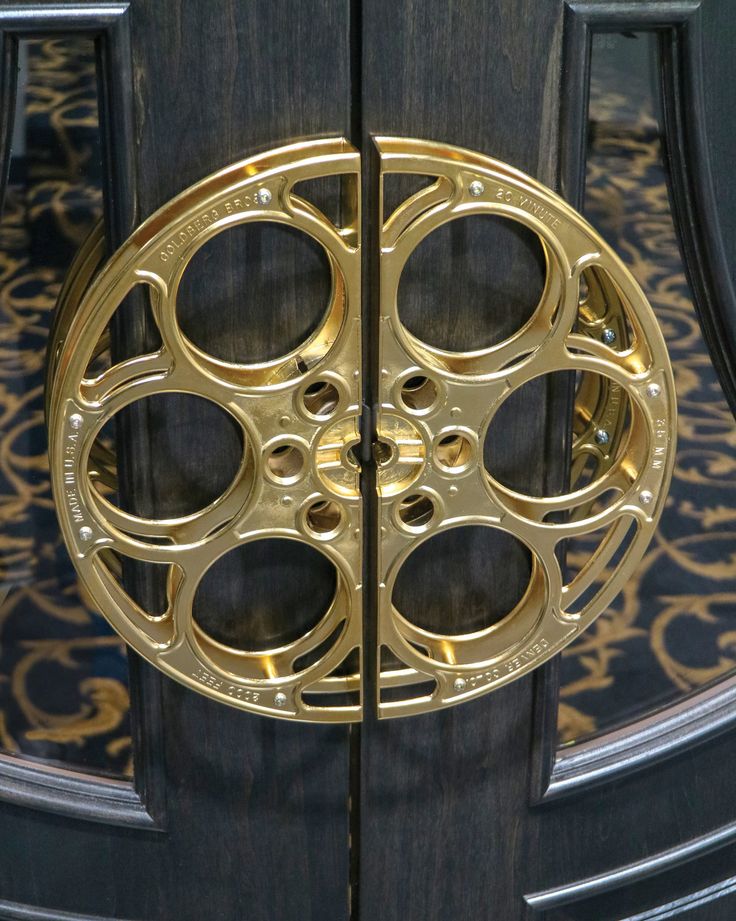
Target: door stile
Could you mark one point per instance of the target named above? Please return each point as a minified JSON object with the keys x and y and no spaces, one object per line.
{"x":445,"y":796}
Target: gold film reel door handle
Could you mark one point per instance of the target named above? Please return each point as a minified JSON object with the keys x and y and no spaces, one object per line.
{"x":438,"y":404}
{"x":298,"y":417}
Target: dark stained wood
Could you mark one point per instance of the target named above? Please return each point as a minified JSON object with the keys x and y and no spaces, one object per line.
{"x":8,"y":87}
{"x":640,"y":824}
{"x":697,"y":130}
{"x":656,"y":837}
{"x":258,"y":808}
{"x":443,"y":795}
{"x":254,"y":812}
{"x":718,"y":72}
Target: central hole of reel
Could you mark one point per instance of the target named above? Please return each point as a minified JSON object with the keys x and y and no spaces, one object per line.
{"x":383,"y":453}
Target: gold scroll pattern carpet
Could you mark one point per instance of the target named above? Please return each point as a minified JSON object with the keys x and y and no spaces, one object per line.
{"x":672,"y":629}
{"x":63,"y":674}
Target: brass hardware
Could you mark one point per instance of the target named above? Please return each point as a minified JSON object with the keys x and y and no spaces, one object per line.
{"x":300,"y":418}
{"x":436,"y":407}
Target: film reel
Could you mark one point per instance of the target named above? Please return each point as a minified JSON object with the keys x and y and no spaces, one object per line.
{"x":297,"y":415}
{"x":437,"y":408}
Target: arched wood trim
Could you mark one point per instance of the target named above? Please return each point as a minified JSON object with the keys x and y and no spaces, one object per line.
{"x":708,"y":712}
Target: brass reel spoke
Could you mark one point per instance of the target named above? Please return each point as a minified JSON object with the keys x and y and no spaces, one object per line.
{"x":155,"y":367}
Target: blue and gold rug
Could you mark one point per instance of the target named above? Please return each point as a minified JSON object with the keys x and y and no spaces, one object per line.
{"x":63,"y":673}
{"x":672,"y":630}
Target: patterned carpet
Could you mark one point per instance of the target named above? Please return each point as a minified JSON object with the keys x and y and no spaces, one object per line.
{"x":672,"y":629}
{"x":63,"y":675}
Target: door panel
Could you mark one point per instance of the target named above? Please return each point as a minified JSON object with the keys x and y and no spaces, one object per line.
{"x":439,"y":791}
{"x":668,"y":632}
{"x":252,"y":813}
{"x":686,"y":791}
{"x":451,"y":783}
{"x":63,"y":674}
{"x":285,"y":785}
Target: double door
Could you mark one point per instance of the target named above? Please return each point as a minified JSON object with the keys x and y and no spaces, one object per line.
{"x":358,"y":362}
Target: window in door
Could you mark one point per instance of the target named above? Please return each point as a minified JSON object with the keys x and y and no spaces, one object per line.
{"x":63,"y":672}
{"x":672,"y":629}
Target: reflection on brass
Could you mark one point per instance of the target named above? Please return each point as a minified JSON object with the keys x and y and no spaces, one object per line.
{"x":299,"y":417}
{"x":592,"y":321}
{"x":299,"y":414}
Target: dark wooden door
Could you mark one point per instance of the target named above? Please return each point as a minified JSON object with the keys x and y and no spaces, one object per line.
{"x":469,"y":812}
{"x":474,"y":812}
{"x":227,"y":817}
